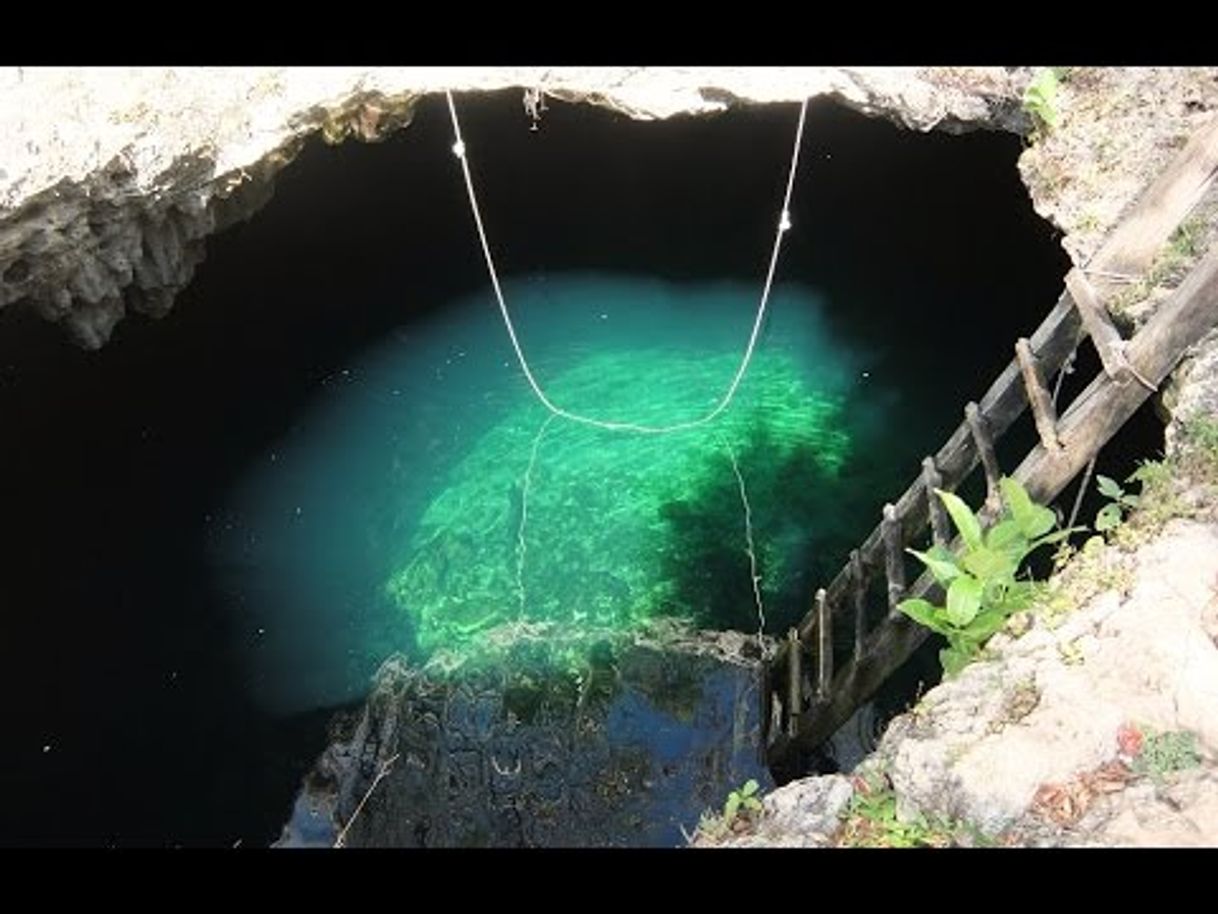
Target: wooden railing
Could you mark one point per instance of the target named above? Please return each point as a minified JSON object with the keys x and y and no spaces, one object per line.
{"x":806,"y":700}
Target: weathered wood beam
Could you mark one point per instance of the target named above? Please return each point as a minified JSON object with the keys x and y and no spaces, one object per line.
{"x":1133,"y":245}
{"x":795,"y":693}
{"x":1107,"y":339}
{"x":932,"y":479}
{"x":983,"y":441}
{"x":858,"y":599}
{"x":1100,"y":410}
{"x":824,"y":647}
{"x":1044,"y":414}
{"x":894,"y":557}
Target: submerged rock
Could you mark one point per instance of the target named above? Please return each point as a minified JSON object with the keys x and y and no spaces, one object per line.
{"x":542,"y":738}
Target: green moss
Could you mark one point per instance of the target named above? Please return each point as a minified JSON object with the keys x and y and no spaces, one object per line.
{"x":1164,"y":754}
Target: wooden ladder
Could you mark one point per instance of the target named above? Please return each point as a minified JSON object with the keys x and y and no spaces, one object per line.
{"x":805,"y":699}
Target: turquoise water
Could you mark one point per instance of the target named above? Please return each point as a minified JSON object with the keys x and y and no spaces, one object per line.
{"x":423,"y":500}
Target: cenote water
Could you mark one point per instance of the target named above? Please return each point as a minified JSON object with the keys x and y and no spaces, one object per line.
{"x":223,"y":522}
{"x":426,"y":496}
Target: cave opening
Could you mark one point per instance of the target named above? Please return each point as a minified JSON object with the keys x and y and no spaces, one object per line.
{"x":207,"y":516}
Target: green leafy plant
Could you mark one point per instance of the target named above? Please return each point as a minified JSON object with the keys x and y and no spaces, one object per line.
{"x":980,"y":580}
{"x":1040,"y":98}
{"x":1202,"y":433}
{"x":871,"y":821}
{"x":745,"y":798}
{"x":739,"y":810}
{"x":1119,"y":504}
{"x":1166,"y":753}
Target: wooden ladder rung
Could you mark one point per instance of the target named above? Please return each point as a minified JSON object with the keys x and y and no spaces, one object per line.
{"x":1107,"y":339}
{"x":1044,"y":414}
{"x":984,"y":441}
{"x":932,"y":479}
{"x":824,"y":647}
{"x":858,"y":593}
{"x":795,"y":696}
{"x":894,"y":557}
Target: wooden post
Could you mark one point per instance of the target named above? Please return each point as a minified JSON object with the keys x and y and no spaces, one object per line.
{"x":795,"y":697}
{"x":1043,"y":411}
{"x":932,"y":479}
{"x":984,"y":442}
{"x":1132,"y":246}
{"x":894,"y":557}
{"x":858,"y":593}
{"x":824,"y":647}
{"x":1107,"y":339}
{"x":1104,"y":406}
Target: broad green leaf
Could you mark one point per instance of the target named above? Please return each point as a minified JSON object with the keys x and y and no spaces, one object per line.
{"x":954,"y":659}
{"x":1040,"y":97}
{"x":1147,"y":472}
{"x":924,"y":613}
{"x":988,"y":621}
{"x":986,"y":563}
{"x":1108,"y":517}
{"x":1055,"y":536}
{"x":940,"y":561}
{"x":1006,"y":535}
{"x":732,"y":806}
{"x":1041,"y":520}
{"x":1015,"y":497}
{"x":963,"y":600}
{"x":750,"y":788}
{"x":1130,"y":501}
{"x":963,"y":517}
{"x":752,"y":804}
{"x":1108,"y":486}
{"x":1018,"y":596}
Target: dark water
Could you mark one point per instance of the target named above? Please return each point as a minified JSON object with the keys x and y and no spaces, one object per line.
{"x":203,"y":520}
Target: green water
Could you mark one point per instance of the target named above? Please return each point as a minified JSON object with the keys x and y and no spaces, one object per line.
{"x":428,"y":497}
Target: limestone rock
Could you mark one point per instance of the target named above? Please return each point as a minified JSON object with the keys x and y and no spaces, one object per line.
{"x":113,"y":178}
{"x":804,"y":813}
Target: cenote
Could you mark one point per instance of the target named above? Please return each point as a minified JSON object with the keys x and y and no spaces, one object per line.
{"x":220,"y":524}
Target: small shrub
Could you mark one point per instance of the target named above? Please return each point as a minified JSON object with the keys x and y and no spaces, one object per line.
{"x":980,"y":580}
{"x":1120,"y":502}
{"x":1040,"y":99}
{"x":1166,"y":753}
{"x":739,"y":811}
{"x":871,"y":821}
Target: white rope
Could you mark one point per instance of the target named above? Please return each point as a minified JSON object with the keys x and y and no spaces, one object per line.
{"x":749,"y":547}
{"x":524,"y":511}
{"x":784,"y":223}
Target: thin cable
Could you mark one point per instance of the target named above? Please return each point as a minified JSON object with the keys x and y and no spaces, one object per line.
{"x":1067,"y":368}
{"x":524,"y":511}
{"x":1082,"y":490}
{"x":784,"y":223}
{"x":749,"y":547}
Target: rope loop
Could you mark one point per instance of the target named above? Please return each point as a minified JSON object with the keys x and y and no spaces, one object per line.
{"x":784,"y":224}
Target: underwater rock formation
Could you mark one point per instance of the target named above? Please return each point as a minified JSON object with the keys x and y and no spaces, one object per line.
{"x":542,"y":738}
